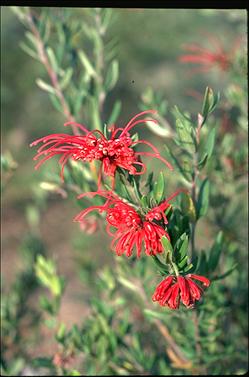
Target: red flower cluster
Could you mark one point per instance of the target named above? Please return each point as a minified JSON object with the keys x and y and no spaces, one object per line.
{"x":205,"y":57}
{"x":174,"y":289}
{"x":93,"y":145}
{"x":132,"y":229}
{"x":208,"y":58}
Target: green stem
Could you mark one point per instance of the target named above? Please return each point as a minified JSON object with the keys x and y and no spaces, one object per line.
{"x":175,"y":268}
{"x":99,"y":51}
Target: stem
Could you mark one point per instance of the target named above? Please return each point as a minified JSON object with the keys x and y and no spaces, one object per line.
{"x":51,"y":73}
{"x":193,"y":185}
{"x":100,"y":93}
{"x":197,"y":341}
{"x":194,"y":198}
{"x":163,"y":330}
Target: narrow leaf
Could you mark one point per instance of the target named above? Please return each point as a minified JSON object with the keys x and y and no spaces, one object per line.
{"x":112,"y":75}
{"x":158,"y":190}
{"x":203,"y":199}
{"x":215,"y":252}
{"x":43,"y":85}
{"x":87,"y":64}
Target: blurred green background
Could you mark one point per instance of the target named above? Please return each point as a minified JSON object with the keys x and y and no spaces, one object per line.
{"x":149,"y":45}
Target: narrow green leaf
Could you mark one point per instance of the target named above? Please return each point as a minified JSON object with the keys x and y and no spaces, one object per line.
{"x":159,"y":264}
{"x":127,"y":283}
{"x":31,"y":38}
{"x":183,"y":249}
{"x":209,"y":145}
{"x":56,"y":102}
{"x":115,"y":113}
{"x":111,"y":76}
{"x":203,"y":161}
{"x":158,"y":191}
{"x":66,"y":78}
{"x":226,"y":273}
{"x":179,"y":115}
{"x":166,"y":244}
{"x":215,"y":252}
{"x":191,"y":267}
{"x":187,"y":207}
{"x":52,"y":58}
{"x":153,"y":314}
{"x":184,"y":134}
{"x":183,"y":262}
{"x":144,"y":201}
{"x":203,"y":199}
{"x":87,"y":64}
{"x":209,"y":103}
{"x":43,"y":85}
{"x":29,"y":51}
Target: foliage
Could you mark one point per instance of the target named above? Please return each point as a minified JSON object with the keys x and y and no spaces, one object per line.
{"x":126,"y":332}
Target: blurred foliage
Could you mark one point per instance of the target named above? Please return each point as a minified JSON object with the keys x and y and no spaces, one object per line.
{"x":125,"y":333}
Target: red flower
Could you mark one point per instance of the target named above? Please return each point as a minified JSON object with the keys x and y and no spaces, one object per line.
{"x":174,"y":289}
{"x":93,"y":145}
{"x":132,"y":229}
{"x":208,"y":58}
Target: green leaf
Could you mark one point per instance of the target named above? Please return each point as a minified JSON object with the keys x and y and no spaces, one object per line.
{"x":60,"y":335}
{"x":45,"y":270}
{"x":184,"y":132}
{"x":187,"y":207}
{"x":166,"y":244}
{"x":215,"y":252}
{"x":179,"y":115}
{"x":29,"y":51}
{"x":44,"y":86}
{"x":202,"y":264}
{"x":183,"y":169}
{"x":208,"y":148}
{"x":158,"y":191}
{"x":66,"y":78}
{"x":209,"y":103}
{"x":52,"y":59}
{"x":226,"y":273}
{"x":203,"y":199}
{"x":159,"y":264}
{"x":87,"y":64}
{"x":115,"y":113}
{"x":111,"y":76}
{"x":183,"y":262}
{"x":144,"y":201}
{"x":153,"y":314}
{"x":56,"y":102}
{"x":180,"y":252}
{"x":127,"y":283}
{"x":136,"y":189}
{"x":203,"y":161}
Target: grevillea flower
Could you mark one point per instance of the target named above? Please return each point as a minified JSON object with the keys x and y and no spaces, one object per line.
{"x":208,"y":58}
{"x":174,"y":289}
{"x":132,"y":228}
{"x":117,"y":151}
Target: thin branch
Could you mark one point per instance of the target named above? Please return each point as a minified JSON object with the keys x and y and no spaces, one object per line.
{"x":163,"y":329}
{"x":52,"y":74}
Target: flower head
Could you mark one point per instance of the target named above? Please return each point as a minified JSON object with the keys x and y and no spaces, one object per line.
{"x":174,"y":289}
{"x":208,"y":58}
{"x":116,"y":151}
{"x":129,"y":226}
